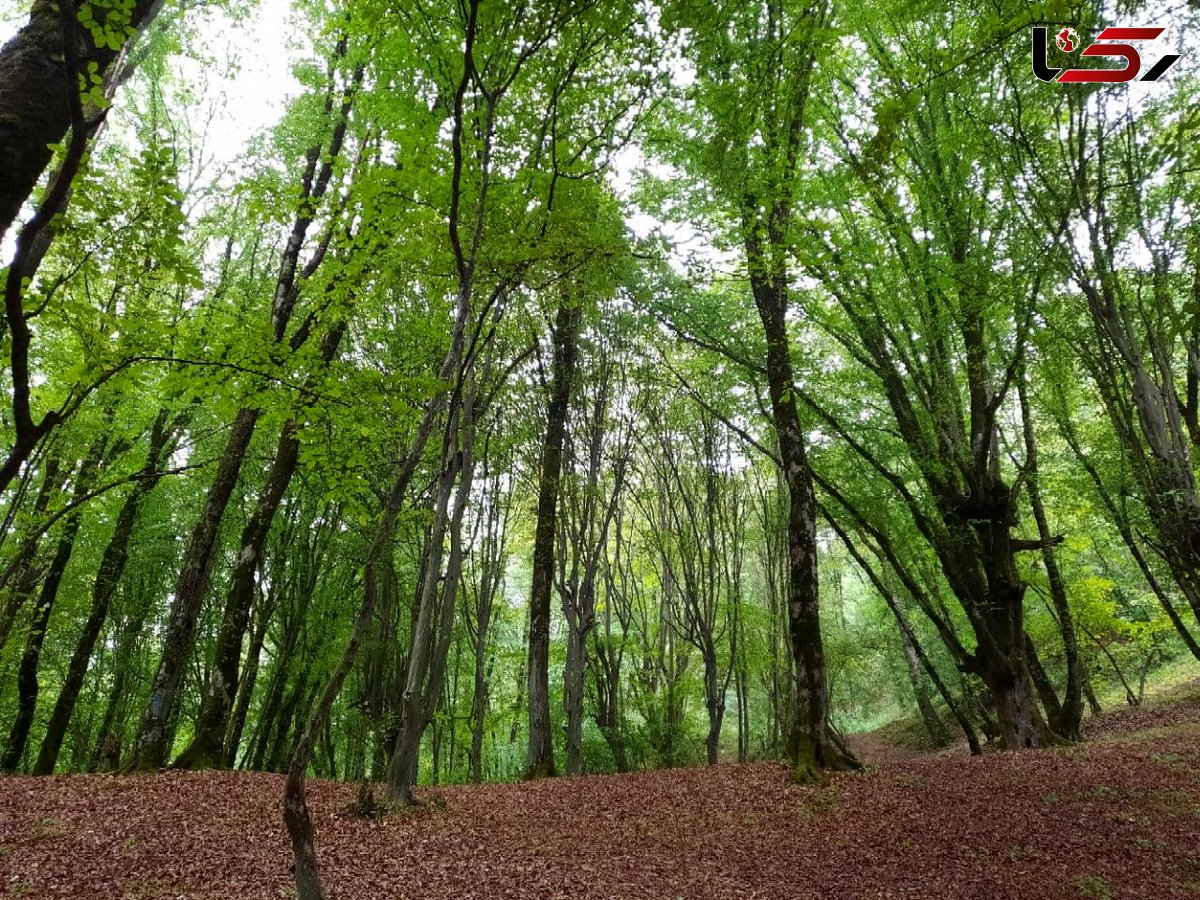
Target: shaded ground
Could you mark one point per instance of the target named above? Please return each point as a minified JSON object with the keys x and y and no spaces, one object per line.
{"x":1118,"y":816}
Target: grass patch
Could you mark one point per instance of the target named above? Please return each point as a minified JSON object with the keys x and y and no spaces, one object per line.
{"x":819,"y":802}
{"x":45,"y":829}
{"x":1092,"y":887}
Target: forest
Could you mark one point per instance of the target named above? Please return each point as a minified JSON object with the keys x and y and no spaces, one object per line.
{"x":499,"y":390}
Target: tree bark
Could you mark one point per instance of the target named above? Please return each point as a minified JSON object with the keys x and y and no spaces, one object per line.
{"x":435,"y":619}
{"x":539,"y":759}
{"x":933,"y":722}
{"x":249,"y":679}
{"x":809,"y":745}
{"x":35,"y":112}
{"x":909,"y":637}
{"x":25,"y":560}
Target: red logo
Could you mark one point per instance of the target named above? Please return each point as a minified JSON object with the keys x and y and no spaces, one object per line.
{"x":1109,"y":43}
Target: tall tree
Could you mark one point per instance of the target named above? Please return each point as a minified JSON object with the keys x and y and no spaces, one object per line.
{"x":755,"y":67}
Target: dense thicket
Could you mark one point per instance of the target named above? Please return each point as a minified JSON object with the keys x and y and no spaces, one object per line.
{"x":394,"y":451}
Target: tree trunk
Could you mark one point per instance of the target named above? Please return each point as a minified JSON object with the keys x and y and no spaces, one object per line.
{"x":609,"y":651}
{"x":574,"y":673}
{"x":112,"y":567}
{"x":933,"y":722}
{"x":809,"y":745}
{"x":1066,"y":720}
{"x":539,"y":759}
{"x":435,"y":618}
{"x":1001,"y":658}
{"x":479,"y":701}
{"x":27,"y":677}
{"x":233,"y":739}
{"x":714,"y":703}
{"x":909,"y":638}
{"x":207,"y":749}
{"x":110,"y":736}
{"x":1041,"y":681}
{"x":25,"y":560}
{"x":152,"y":749}
{"x":34,"y":84}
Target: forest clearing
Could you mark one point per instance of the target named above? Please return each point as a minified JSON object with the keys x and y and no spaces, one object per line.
{"x":1117,"y":816}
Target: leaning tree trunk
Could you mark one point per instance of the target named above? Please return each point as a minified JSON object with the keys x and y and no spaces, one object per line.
{"x":25,"y":559}
{"x":27,"y":677}
{"x":435,"y":617}
{"x":539,"y":760}
{"x":108,"y":577}
{"x":152,"y":746}
{"x":1120,"y":519}
{"x":241,"y":710}
{"x":106,"y":750}
{"x":933,"y":722}
{"x":910,"y":639}
{"x":207,"y":750}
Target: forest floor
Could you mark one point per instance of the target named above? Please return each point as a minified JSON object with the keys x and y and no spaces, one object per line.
{"x":1116,"y":816}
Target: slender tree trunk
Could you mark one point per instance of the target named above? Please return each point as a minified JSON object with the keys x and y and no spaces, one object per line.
{"x":27,"y":675}
{"x":608,"y":706}
{"x":714,"y":703}
{"x":432,"y":633}
{"x":207,"y":749}
{"x":291,"y":721}
{"x":809,"y":745}
{"x":25,"y":560}
{"x":539,"y":759}
{"x":909,"y":637}
{"x":112,"y":567}
{"x":1066,"y":720}
{"x":233,"y":740}
{"x":110,"y":736}
{"x":1090,"y":695}
{"x":273,"y":706}
{"x":152,"y":749}
{"x":1041,"y":681}
{"x":479,"y":703}
{"x":933,"y":722}
{"x":574,"y":673}
{"x":741,"y":683}
{"x":1117,"y":514}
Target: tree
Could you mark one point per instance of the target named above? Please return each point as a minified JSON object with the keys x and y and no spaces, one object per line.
{"x":755,"y":66}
